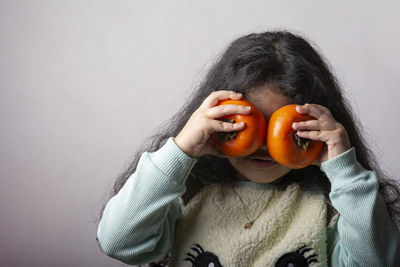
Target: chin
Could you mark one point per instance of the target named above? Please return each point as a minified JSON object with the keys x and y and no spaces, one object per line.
{"x":263,"y":178}
{"x":259,"y":171}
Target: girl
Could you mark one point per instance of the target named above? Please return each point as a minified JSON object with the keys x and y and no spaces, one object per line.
{"x":184,"y":203}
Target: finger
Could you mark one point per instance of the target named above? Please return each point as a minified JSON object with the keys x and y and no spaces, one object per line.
{"x":313,"y":110}
{"x":224,"y":110}
{"x":218,"y":96}
{"x":307,"y":125}
{"x":313,"y":135}
{"x":222,"y":126}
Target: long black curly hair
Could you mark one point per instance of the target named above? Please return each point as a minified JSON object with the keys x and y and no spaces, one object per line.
{"x":288,"y":62}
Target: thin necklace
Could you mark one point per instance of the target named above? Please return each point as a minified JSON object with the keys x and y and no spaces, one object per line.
{"x":250,"y":223}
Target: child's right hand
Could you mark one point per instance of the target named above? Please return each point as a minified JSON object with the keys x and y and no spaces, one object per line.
{"x":194,"y":138}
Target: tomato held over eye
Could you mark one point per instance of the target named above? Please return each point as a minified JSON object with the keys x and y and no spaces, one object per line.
{"x":246,"y":141}
{"x":284,"y":145}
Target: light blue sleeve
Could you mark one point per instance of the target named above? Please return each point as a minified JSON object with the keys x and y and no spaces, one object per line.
{"x":364,"y":235}
{"x":138,"y":224}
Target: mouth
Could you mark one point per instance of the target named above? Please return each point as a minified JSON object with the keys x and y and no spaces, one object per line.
{"x":262,"y":162}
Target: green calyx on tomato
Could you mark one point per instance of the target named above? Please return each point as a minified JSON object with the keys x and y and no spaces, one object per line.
{"x":227,"y":136}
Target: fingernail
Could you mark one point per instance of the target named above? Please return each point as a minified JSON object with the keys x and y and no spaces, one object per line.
{"x":298,"y":108}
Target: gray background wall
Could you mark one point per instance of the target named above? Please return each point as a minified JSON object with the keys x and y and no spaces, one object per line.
{"x":83,"y":83}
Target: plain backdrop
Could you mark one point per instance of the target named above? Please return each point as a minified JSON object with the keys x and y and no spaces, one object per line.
{"x":84,"y":83}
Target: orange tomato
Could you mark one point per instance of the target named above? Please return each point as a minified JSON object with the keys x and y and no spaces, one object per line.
{"x":284,"y":145}
{"x":246,"y":141}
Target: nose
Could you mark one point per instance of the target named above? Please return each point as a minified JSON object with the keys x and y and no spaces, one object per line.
{"x":263,"y":150}
{"x":263,"y":147}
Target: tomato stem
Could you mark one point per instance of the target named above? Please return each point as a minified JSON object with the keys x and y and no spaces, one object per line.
{"x":227,"y":136}
{"x":303,"y":143}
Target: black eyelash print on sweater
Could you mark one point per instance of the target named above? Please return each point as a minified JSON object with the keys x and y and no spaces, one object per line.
{"x":297,"y":258}
{"x":203,"y":258}
{"x":291,"y":259}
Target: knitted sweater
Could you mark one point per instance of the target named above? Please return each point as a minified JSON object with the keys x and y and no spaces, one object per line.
{"x":293,"y":226}
{"x":146,"y":219}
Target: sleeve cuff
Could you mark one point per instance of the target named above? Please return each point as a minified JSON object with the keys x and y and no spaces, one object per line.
{"x":173,"y":162}
{"x":343,"y":169}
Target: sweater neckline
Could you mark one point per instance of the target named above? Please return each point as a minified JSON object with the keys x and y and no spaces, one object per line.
{"x":255,"y":185}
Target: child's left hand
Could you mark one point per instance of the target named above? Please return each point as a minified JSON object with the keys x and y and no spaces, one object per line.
{"x":325,"y":128}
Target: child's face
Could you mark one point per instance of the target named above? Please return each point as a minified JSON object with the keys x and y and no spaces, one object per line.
{"x":255,"y":167}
